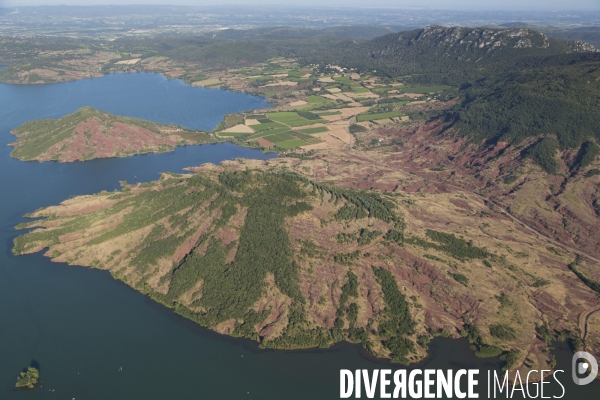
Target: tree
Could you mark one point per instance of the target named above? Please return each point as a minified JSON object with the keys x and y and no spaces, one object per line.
{"x":28,"y":379}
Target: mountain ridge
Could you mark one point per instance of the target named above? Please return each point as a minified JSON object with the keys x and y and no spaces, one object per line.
{"x":455,"y":53}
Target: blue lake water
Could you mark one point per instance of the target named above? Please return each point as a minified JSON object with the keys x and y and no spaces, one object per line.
{"x":94,"y":337}
{"x":140,"y":95}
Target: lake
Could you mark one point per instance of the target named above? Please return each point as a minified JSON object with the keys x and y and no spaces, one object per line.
{"x":96,"y":338}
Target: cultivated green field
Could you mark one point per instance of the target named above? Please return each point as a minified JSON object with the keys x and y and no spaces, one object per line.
{"x":310,"y":131}
{"x":291,"y":144}
{"x":283,"y":116}
{"x":285,"y":138}
{"x":308,"y":115}
{"x":359,"y":89}
{"x":316,"y":99}
{"x":233,"y":119}
{"x":266,"y":126}
{"x":269,"y":132}
{"x":294,"y":119}
{"x":374,"y":117}
{"x":294,"y":124}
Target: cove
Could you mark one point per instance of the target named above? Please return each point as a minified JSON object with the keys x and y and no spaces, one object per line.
{"x":94,"y":337}
{"x":140,"y":95}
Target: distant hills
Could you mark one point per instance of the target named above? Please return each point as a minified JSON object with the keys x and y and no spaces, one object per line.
{"x":366,"y":32}
{"x":514,"y":83}
{"x":432,"y":54}
{"x":588,"y":34}
{"x":452,"y":54}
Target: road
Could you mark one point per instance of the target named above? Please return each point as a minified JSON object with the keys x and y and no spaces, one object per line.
{"x":583,"y":320}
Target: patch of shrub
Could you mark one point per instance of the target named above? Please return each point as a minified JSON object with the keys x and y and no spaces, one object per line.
{"x":502,"y":332}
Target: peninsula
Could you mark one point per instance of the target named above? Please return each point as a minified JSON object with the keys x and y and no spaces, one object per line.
{"x":89,"y":133}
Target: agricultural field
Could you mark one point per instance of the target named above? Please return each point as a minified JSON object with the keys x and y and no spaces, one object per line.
{"x":303,"y":96}
{"x":359,"y":89}
{"x":234,"y":119}
{"x":310,"y":131}
{"x":266,"y":126}
{"x":274,"y":129}
{"x":289,"y":139}
{"x":294,"y":119}
{"x":375,"y":117}
{"x":316,"y":99}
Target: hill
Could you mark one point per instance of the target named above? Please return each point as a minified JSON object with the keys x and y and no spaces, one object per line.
{"x":431,"y":55}
{"x":588,"y":34}
{"x":255,"y":249}
{"x":88,"y":133}
{"x":562,"y":101}
{"x":442,"y":54}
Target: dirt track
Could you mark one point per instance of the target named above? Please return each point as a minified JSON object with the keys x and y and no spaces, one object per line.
{"x":583,"y":320}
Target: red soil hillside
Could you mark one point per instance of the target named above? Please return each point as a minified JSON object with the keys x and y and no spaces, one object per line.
{"x":88,"y":133}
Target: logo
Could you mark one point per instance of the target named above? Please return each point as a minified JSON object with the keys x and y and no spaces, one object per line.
{"x":584,"y":364}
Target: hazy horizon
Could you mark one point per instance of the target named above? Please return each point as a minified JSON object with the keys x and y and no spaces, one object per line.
{"x":462,"y":5}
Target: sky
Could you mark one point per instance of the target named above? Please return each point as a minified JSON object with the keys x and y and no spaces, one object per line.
{"x":540,"y":5}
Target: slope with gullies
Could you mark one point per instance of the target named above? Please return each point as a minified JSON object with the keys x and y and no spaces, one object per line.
{"x":363,"y":253}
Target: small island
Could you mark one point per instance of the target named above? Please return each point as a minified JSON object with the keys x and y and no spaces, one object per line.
{"x":29,"y":378}
{"x":89,"y":133}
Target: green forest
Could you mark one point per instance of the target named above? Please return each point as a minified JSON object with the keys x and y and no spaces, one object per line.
{"x":560,"y":101}
{"x":451,"y":55}
{"x":230,"y":287}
